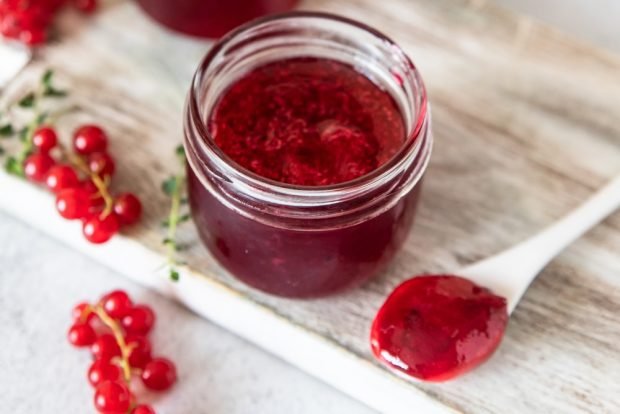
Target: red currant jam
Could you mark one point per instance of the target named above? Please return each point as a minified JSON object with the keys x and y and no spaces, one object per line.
{"x":297,"y":262}
{"x":211,"y":18}
{"x":435,"y":328}
{"x":304,"y":171}
{"x":307,"y":121}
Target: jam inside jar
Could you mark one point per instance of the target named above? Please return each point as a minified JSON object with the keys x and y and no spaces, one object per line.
{"x":307,"y":137}
{"x":211,"y":18}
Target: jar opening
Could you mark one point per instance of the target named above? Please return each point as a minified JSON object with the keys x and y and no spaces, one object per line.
{"x":309,"y":34}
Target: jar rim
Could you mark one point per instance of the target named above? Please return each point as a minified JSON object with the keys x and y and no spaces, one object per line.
{"x":412,"y":143}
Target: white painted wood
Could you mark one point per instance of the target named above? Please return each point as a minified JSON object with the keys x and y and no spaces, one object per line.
{"x":219,"y":373}
{"x":526,"y":127}
{"x":226,"y":307}
{"x":511,"y":272}
{"x":596,"y":21}
{"x":14,"y":56}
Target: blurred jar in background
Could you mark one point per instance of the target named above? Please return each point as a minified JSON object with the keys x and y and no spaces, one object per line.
{"x":211,"y":18}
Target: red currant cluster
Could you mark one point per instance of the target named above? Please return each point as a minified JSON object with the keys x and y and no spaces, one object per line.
{"x":115,"y":329}
{"x":86,"y":199}
{"x":28,"y":20}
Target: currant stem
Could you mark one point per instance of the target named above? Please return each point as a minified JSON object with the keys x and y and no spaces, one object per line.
{"x":173,"y":220}
{"x":174,"y":187}
{"x":101,"y":184}
{"x":117,"y":331}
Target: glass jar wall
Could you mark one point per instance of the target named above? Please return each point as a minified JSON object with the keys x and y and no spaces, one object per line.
{"x":211,"y":18}
{"x":294,"y":240}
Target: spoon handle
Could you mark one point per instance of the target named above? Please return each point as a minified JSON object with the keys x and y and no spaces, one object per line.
{"x":510,"y":273}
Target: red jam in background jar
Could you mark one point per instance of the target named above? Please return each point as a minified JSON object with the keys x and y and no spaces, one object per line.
{"x":307,"y":137}
{"x":211,"y":18}
{"x":308,"y":122}
{"x":435,"y":328}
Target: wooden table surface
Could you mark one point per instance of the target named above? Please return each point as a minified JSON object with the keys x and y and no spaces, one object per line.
{"x":527,"y":125}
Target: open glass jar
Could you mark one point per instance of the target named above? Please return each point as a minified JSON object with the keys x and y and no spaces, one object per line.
{"x":302,"y":241}
{"x":211,"y":18}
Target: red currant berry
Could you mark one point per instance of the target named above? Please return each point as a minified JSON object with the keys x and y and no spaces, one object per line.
{"x":143,"y":409}
{"x":112,"y":397}
{"x":89,"y":139}
{"x":82,"y":313}
{"x":61,"y":177}
{"x":105,"y":348}
{"x":116,"y":304}
{"x":89,"y":186}
{"x":102,"y":164}
{"x":99,"y":230}
{"x":159,"y":374}
{"x":37,"y":166}
{"x":44,"y":139}
{"x":128,"y":208}
{"x":81,"y":335}
{"x":85,"y":6}
{"x":96,"y":200}
{"x":32,"y":37}
{"x":139,"y":320}
{"x":73,"y":203}
{"x":140,"y":354}
{"x":101,"y":371}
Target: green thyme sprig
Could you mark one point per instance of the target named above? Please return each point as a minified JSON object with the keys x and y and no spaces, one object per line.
{"x":6,"y":131}
{"x":14,"y":164}
{"x":175,"y":188}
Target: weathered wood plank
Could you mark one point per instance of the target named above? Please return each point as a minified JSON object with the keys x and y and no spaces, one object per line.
{"x":527,"y":125}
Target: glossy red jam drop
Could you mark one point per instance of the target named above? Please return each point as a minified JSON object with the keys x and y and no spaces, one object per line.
{"x":435,"y":328}
{"x":308,"y":121}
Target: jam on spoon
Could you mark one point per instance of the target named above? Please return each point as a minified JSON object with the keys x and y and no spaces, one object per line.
{"x":437,"y":327}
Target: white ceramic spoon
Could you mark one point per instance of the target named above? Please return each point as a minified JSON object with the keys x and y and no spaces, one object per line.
{"x":510,"y":273}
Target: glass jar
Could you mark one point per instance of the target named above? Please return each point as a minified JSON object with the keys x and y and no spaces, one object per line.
{"x":300,"y":241}
{"x":211,"y":18}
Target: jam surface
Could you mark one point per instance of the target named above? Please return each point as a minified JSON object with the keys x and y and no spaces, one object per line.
{"x":307,"y":121}
{"x":435,"y":328}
